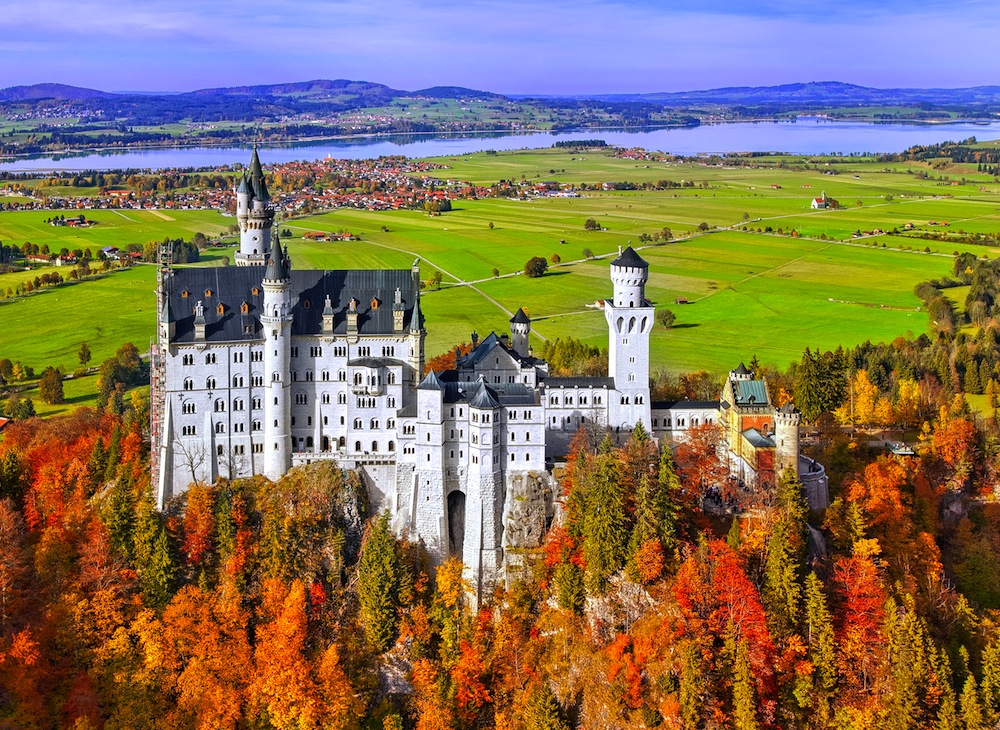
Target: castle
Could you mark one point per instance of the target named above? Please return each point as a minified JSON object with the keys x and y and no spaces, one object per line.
{"x":259,"y":367}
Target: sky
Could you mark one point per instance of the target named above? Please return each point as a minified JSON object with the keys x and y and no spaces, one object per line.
{"x":509,"y":47}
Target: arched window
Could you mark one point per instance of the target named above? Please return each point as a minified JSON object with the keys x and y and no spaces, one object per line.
{"x":357,"y":446}
{"x":210,"y":383}
{"x":374,"y":447}
{"x":392,"y":446}
{"x":220,"y":405}
{"x":188,"y":384}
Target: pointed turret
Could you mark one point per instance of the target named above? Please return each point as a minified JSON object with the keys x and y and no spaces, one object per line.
{"x":255,"y":214}
{"x":257,"y":177}
{"x":278,"y":265}
{"x":520,"y":328}
{"x":167,"y":322}
{"x":417,"y":320}
{"x":431,"y":382}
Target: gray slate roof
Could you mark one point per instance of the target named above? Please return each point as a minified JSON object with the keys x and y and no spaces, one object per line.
{"x":671,"y":404}
{"x":233,"y":285}
{"x":757,"y":439}
{"x":579,"y":383}
{"x":631,"y":259}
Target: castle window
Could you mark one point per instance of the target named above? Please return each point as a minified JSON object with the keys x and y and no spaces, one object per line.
{"x":295,"y":351}
{"x":244,"y":308}
{"x":255,"y":291}
{"x":255,"y":426}
{"x":221,"y":309}
{"x":188,"y":431}
{"x":527,"y":457}
{"x":301,"y":399}
{"x":374,"y":425}
{"x":220,"y":428}
{"x":306,"y":304}
{"x":210,"y":383}
{"x":315,"y":352}
{"x":255,"y":404}
{"x":210,"y":358}
{"x":357,"y":446}
{"x":527,"y":435}
{"x":326,"y":398}
{"x":275,"y":377}
{"x":185,"y":294}
{"x":256,"y":356}
{"x":257,"y":448}
{"x":639,"y":399}
{"x":512,"y":457}
{"x":357,"y":423}
{"x":375,"y":303}
{"x":342,"y":376}
{"x":257,"y":380}
{"x":238,"y":381}
{"x":342,"y":399}
{"x":238,"y":356}
{"x":390,"y":402}
{"x":309,"y":376}
{"x":188,"y":360}
{"x":188,"y":407}
{"x":326,"y":375}
{"x":220,"y":405}
{"x":219,"y":450}
{"x":248,"y":329}
{"x":208,"y":293}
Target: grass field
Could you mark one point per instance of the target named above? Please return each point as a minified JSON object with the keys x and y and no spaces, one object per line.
{"x":750,"y":293}
{"x":114,"y":227}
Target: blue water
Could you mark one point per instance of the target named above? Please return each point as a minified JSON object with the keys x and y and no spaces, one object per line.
{"x":807,"y":136}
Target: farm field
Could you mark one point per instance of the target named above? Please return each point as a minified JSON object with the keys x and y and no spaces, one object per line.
{"x":750,"y":292}
{"x":114,"y":227}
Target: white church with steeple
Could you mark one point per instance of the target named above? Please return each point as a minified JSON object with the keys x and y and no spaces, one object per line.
{"x":259,"y":367}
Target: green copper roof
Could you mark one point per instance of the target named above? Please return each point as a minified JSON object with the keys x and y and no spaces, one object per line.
{"x":750,"y":392}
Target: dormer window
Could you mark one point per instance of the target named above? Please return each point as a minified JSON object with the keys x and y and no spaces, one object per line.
{"x":306,"y":304}
{"x":185,"y":294}
{"x":220,"y":310}
{"x":208,"y":293}
{"x":244,"y":308}
{"x":255,"y":291}
{"x":375,"y":303}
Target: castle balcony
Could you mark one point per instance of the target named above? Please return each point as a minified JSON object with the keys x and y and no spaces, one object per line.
{"x":367,"y":389}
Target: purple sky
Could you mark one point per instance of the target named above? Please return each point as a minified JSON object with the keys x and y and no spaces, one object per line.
{"x":513,"y":46}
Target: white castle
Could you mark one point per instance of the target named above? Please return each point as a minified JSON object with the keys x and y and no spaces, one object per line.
{"x":258,"y":367}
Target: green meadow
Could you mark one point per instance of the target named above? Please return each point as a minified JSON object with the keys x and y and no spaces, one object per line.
{"x":750,"y":292}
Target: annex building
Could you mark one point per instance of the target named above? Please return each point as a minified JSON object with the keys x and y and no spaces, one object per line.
{"x":259,"y":367}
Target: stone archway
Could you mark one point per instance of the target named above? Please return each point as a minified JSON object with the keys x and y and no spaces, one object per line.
{"x":456,"y":524}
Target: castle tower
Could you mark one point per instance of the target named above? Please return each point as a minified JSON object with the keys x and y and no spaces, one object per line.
{"x":786,"y":440}
{"x":255,"y":215}
{"x":276,"y":322}
{"x":630,"y":320}
{"x":482,"y":551}
{"x":520,"y":328}
{"x":429,"y":500}
{"x":741,"y":373}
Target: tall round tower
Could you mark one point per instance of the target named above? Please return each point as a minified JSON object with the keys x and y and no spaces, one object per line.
{"x":255,"y":215}
{"x":786,"y":440}
{"x":630,"y":320}
{"x":276,"y":322}
{"x":520,"y":329}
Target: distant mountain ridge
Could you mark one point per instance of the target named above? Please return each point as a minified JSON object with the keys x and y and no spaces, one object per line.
{"x":355,"y":94}
{"x":813,"y":93}
{"x":50,"y":91}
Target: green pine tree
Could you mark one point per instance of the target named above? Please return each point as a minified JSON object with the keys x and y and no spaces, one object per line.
{"x":379,"y":573}
{"x":970,"y":708}
{"x":822,"y":648}
{"x":744,"y":696}
{"x":568,"y":580}
{"x":543,"y":711}
{"x":605,"y":532}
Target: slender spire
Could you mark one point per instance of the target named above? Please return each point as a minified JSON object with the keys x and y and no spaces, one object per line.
{"x":257,"y":177}
{"x":278,"y":267}
{"x":416,"y":321}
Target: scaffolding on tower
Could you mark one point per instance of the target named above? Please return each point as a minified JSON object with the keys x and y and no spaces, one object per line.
{"x":157,"y":359}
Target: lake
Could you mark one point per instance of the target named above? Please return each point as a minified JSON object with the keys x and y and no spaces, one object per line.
{"x":807,"y":136}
